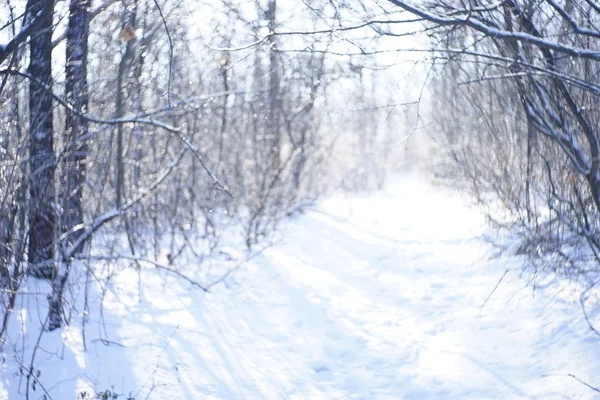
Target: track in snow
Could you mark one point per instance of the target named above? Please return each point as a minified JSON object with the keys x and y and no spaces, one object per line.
{"x":377,"y":297}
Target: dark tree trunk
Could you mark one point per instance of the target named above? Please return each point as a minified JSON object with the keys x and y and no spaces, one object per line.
{"x":76,"y":93}
{"x":5,"y":217}
{"x":41,"y":154}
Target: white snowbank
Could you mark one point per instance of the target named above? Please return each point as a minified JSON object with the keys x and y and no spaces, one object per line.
{"x":376,"y":297}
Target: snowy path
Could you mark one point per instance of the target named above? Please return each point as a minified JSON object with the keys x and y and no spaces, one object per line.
{"x":374,"y":298}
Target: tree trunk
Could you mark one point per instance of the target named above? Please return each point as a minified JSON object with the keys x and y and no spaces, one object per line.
{"x":273,"y":126}
{"x":5,"y":218}
{"x":76,"y":93}
{"x":41,"y":154}
{"x":127,"y":33}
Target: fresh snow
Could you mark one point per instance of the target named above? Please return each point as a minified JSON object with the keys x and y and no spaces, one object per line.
{"x":384,"y":296}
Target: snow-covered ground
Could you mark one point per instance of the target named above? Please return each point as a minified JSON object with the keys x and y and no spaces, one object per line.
{"x":384,"y":296}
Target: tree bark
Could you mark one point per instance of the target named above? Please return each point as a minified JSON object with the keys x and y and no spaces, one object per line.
{"x":128,"y":22}
{"x":274,"y":112}
{"x":41,"y":213}
{"x":76,"y":93}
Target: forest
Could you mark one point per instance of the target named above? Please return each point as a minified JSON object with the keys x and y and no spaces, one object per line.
{"x":150,"y":144}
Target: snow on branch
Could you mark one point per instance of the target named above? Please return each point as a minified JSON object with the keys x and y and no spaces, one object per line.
{"x":471,"y":21}
{"x":30,"y":25}
{"x":330,"y":31}
{"x":140,"y":119}
{"x":96,"y":224}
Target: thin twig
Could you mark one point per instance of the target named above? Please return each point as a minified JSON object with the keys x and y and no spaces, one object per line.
{"x":494,"y":290}
{"x":164,"y":21}
{"x":157,"y":265}
{"x":107,"y":342}
{"x":587,"y":319}
{"x":595,"y":389}
{"x":584,"y":383}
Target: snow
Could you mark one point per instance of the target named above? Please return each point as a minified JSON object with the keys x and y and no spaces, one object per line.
{"x":381,"y":296}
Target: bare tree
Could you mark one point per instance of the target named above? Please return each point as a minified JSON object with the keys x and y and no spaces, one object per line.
{"x":76,"y":126}
{"x":42,"y":208}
